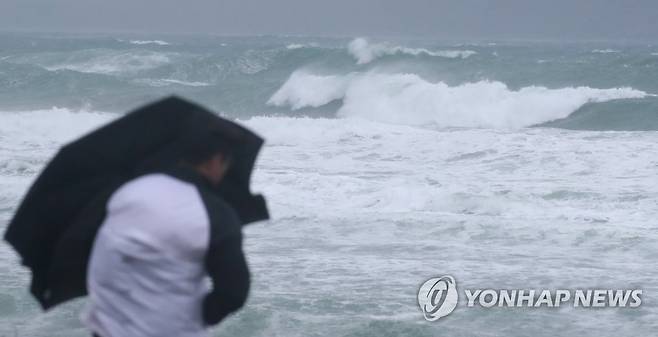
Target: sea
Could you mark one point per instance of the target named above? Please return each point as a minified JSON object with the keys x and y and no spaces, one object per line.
{"x":511,"y":164}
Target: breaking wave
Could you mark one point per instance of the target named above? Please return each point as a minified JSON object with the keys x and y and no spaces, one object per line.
{"x":414,"y":83}
{"x":365,"y":52}
{"x":155,"y":42}
{"x":307,"y":90}
{"x":109,"y":62}
{"x":411,"y":100}
{"x":295,"y":46}
{"x":170,"y":81}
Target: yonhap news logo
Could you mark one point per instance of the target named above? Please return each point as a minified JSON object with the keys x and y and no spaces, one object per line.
{"x":438,"y":297}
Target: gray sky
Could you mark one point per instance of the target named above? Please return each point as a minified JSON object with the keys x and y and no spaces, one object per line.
{"x":570,"y":19}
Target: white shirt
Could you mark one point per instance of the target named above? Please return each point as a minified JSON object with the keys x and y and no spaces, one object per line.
{"x":146,"y":275}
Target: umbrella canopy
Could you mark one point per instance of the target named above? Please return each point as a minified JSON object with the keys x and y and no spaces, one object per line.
{"x":54,"y":228}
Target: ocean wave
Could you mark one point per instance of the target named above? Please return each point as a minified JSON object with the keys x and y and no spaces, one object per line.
{"x":44,"y":126}
{"x":411,"y":100}
{"x":364,"y":159}
{"x":366,"y":52}
{"x":295,"y":46}
{"x":255,"y":61}
{"x":169,"y":81}
{"x":31,"y":137}
{"x":110,"y":62}
{"x":308,"y":90}
{"x":156,"y":42}
{"x":605,"y":51}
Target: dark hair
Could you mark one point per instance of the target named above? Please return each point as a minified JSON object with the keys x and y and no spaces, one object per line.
{"x":201,"y":147}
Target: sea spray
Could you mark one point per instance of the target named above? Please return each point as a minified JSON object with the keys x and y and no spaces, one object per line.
{"x":410,"y":99}
{"x":366,"y":52}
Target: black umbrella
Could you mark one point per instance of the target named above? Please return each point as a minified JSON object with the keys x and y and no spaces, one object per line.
{"x":54,"y":227}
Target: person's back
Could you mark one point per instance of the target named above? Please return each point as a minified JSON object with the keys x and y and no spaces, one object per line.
{"x":162,"y":236}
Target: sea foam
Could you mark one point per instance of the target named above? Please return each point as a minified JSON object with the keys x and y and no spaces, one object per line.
{"x":605,"y":51}
{"x":156,"y":42}
{"x":366,"y":52}
{"x":409,"y":99}
{"x":110,"y":62}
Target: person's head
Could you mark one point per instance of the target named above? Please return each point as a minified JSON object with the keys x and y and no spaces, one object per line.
{"x":210,"y":155}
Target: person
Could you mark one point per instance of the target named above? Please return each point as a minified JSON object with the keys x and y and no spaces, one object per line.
{"x":164,"y":237}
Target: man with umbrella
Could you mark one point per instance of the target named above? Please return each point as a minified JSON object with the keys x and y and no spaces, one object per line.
{"x":137,"y":214}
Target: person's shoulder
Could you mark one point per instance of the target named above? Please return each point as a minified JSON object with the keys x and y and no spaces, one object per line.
{"x":223,"y":218}
{"x":152,"y":188}
{"x":153,"y":182}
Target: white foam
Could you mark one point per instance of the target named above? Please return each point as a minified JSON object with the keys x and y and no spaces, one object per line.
{"x":45,"y":127}
{"x":369,"y":167}
{"x":169,"y":81}
{"x":295,"y":46}
{"x":303,"y":90}
{"x":187,"y":83}
{"x":30,"y":138}
{"x":255,"y":61}
{"x":366,"y":52}
{"x":412,"y":100}
{"x":112,"y":62}
{"x":605,"y":51}
{"x":387,"y":203}
{"x":156,"y":42}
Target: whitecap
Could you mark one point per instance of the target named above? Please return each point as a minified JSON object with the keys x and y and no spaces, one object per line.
{"x":169,"y":81}
{"x":156,"y":42}
{"x":111,"y":62}
{"x":295,"y":46}
{"x":411,"y":100}
{"x":365,"y":52}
